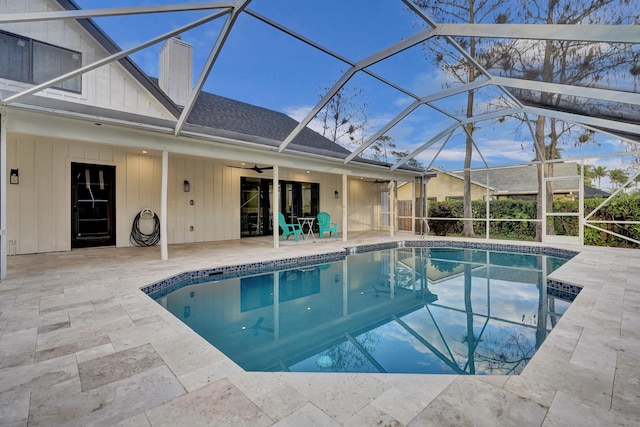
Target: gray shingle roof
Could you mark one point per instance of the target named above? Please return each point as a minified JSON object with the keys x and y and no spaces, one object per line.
{"x":524,"y":180}
{"x":224,"y":114}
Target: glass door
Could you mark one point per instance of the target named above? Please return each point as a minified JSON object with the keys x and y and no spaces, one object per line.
{"x":92,"y":205}
{"x":297,"y":200}
{"x":255,"y":207}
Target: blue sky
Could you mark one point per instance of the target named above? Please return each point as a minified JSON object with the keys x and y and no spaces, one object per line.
{"x":262,"y":66}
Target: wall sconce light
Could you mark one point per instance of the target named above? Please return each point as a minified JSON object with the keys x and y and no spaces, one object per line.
{"x":336,"y":194}
{"x":14,"y":178}
{"x":187,"y":186}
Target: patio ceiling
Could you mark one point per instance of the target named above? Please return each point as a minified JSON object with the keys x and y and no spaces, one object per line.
{"x":422,"y":119}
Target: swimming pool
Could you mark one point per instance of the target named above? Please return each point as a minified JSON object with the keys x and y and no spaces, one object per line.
{"x":411,"y":310}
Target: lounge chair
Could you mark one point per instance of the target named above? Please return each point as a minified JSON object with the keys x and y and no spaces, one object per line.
{"x":289,"y":229}
{"x":325,"y":225}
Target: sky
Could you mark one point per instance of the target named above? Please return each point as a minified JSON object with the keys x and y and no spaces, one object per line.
{"x":263,"y":66}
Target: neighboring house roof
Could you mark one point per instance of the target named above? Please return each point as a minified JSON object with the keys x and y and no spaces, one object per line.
{"x":524,"y":180}
{"x":590,"y":192}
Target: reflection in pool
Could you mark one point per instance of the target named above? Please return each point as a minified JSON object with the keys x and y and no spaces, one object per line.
{"x":409,"y":310}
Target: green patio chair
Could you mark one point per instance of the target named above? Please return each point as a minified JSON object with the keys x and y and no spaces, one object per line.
{"x":325,"y":225}
{"x":289,"y":229}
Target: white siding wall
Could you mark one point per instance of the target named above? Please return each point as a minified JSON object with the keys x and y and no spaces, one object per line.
{"x":109,"y":86}
{"x":39,"y":208}
{"x":363,"y":205}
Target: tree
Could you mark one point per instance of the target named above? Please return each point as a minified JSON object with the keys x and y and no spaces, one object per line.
{"x":599,"y":172}
{"x":382,"y":148}
{"x":618,"y":177}
{"x":462,"y":69}
{"x":563,"y":62}
{"x":344,"y":118}
{"x":588,"y":174}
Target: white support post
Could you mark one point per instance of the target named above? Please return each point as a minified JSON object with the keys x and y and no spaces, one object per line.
{"x":581,"y":205}
{"x":164,"y":248}
{"x":413,"y":207}
{"x":275,"y":206}
{"x":487,"y":223}
{"x":3,"y":195}
{"x":345,"y":205}
{"x":392,"y":208}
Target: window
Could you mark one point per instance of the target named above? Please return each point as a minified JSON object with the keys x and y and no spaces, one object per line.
{"x":31,"y":61}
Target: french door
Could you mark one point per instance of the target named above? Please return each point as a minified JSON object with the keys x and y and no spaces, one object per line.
{"x":297,"y":199}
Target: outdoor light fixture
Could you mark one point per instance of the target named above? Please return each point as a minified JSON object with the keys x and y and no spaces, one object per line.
{"x":336,"y":194}
{"x":14,"y":178}
{"x":187,"y":186}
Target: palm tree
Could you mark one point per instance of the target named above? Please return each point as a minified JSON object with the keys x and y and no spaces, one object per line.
{"x":589,"y":175}
{"x":617,"y":177}
{"x":599,"y":172}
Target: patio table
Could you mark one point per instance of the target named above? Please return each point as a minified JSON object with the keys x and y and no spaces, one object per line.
{"x":307,"y":222}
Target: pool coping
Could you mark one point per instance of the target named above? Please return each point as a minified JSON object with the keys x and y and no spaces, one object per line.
{"x":167,"y":285}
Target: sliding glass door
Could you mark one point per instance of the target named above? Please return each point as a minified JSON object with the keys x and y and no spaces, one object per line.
{"x":297,"y":200}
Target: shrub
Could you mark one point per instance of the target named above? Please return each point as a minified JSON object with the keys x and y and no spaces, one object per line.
{"x":621,"y":208}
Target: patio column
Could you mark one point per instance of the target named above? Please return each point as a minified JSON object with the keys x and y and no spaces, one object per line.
{"x":413,"y":206}
{"x":3,"y":195}
{"x":392,"y":208}
{"x":164,"y":249}
{"x":345,"y":205}
{"x":275,"y":206}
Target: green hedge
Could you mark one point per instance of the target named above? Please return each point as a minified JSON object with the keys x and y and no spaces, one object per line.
{"x":621,"y":208}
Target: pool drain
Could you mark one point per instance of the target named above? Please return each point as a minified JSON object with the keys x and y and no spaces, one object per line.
{"x":324,"y":361}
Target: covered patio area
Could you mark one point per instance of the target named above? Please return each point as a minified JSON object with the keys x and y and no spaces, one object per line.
{"x":82,"y":345}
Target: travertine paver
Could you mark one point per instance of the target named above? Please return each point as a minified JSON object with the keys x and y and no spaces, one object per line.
{"x":218,"y":404}
{"x":80,"y":344}
{"x":470,"y":402}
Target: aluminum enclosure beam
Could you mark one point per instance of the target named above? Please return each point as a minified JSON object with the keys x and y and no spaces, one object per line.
{"x":595,"y":33}
{"x":360,"y":65}
{"x":585,"y":120}
{"x":8,"y":18}
{"x":562,"y":89}
{"x":211,"y":59}
{"x":478,"y":83}
{"x":109,"y":59}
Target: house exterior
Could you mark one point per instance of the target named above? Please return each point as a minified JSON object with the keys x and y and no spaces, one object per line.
{"x":102,"y":147}
{"x":507,"y":183}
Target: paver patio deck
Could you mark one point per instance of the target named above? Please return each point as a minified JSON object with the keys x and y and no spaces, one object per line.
{"x":80,"y":344}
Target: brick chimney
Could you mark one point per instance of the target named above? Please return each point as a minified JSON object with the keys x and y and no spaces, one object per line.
{"x":176,"y":66}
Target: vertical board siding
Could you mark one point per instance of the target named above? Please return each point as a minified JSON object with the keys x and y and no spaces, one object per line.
{"x":28,"y":225}
{"x":362,"y":197}
{"x":45,"y":215}
{"x":39,"y":208}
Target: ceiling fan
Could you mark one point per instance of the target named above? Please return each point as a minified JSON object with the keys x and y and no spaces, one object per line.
{"x":255,"y":168}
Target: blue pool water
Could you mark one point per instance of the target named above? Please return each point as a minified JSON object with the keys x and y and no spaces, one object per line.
{"x":408,"y":310}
